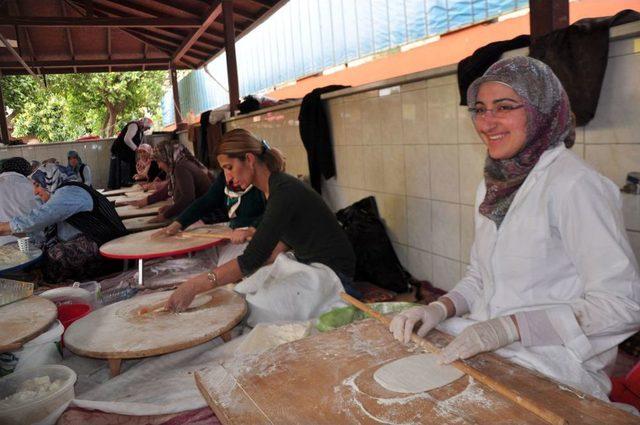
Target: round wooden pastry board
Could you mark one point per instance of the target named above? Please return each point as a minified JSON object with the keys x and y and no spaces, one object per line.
{"x":23,"y":320}
{"x":117,"y":331}
{"x":128,"y":211}
{"x":115,"y":192}
{"x":139,"y":224}
{"x":128,"y":197}
{"x":141,"y":246}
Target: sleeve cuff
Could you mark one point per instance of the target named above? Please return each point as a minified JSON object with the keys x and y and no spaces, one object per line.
{"x":536,"y":329}
{"x":459,"y":302}
{"x":564,"y":322}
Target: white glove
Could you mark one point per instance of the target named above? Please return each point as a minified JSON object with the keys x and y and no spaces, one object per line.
{"x":430,"y":315}
{"x":484,"y":336}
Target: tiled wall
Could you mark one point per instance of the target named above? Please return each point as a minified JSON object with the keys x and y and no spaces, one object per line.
{"x":415,"y":150}
{"x":94,"y":153}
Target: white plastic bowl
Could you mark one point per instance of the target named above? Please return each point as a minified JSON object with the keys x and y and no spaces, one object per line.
{"x":39,"y":408}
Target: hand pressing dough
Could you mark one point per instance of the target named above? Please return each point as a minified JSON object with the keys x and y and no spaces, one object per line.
{"x":199,"y":301}
{"x":415,"y":374}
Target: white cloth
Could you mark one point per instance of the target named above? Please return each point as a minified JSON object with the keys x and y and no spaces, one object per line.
{"x":562,"y":248}
{"x":16,"y":199}
{"x":288,"y":290}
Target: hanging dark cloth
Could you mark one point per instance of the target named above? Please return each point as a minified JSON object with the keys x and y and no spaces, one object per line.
{"x":474,"y":66}
{"x":577,"y":54}
{"x":316,"y":136}
{"x":102,"y":223}
{"x":203,"y":147}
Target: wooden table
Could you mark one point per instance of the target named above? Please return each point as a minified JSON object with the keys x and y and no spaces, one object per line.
{"x":117,"y":331}
{"x":24,"y":320}
{"x":129,"y":211}
{"x":139,"y":224}
{"x":121,"y":200}
{"x":12,"y":259}
{"x":140,"y":246}
{"x":116,"y":192}
{"x":328,"y":379}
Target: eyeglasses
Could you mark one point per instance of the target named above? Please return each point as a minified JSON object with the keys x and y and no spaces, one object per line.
{"x":500,"y":111}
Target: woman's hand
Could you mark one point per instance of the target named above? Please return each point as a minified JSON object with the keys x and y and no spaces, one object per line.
{"x":428,"y":315}
{"x":139,"y":203}
{"x":163,"y":208}
{"x":157,"y":219}
{"x":184,"y":295}
{"x":241,"y":235}
{"x":480,"y":337}
{"x":170,"y":230}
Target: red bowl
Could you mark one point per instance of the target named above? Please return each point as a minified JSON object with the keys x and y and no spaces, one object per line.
{"x":69,"y":313}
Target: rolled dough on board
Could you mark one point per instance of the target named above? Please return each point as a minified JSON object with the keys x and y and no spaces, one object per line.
{"x":415,"y":374}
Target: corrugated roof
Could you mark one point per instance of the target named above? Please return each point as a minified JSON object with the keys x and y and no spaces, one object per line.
{"x":65,"y":36}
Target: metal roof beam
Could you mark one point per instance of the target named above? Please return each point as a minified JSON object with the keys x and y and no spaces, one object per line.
{"x":57,"y":21}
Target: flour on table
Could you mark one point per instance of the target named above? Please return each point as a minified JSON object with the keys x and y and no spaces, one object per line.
{"x":415,"y":374}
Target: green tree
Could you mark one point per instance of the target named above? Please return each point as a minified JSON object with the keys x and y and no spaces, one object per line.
{"x":75,"y":104}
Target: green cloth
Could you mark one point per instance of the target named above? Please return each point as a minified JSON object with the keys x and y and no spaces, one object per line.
{"x":299,"y":217}
{"x":248,"y":213}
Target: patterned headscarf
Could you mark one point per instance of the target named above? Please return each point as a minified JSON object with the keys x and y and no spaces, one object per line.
{"x":16,"y":164}
{"x":172,"y":152}
{"x":549,"y":123}
{"x":143,"y":162}
{"x":74,"y":154}
{"x":50,"y":176}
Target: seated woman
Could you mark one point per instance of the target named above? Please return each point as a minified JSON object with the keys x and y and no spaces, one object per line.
{"x":76,"y":220}
{"x":295,"y":218}
{"x":188,"y":179}
{"x":147,"y":171}
{"x":552,"y":280}
{"x":16,"y":191}
{"x":243,"y":207}
{"x":79,"y":171}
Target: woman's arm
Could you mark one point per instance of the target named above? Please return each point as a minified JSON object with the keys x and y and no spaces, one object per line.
{"x":213,"y":199}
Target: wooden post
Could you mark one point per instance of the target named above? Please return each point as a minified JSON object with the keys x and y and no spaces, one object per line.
{"x":547,"y":15}
{"x":3,"y":120}
{"x":230,"y":50}
{"x":176,"y":95}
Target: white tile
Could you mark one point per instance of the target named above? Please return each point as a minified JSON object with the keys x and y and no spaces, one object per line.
{"x":390,"y":110}
{"x":445,"y":225}
{"x":439,"y":96}
{"x":414,"y":117}
{"x":631,"y":211}
{"x":393,"y":211}
{"x":355,"y":166}
{"x":467,"y":231}
{"x":419,"y":223}
{"x":634,"y":239}
{"x":442,"y":125}
{"x":352,"y":123}
{"x":371,"y":121}
{"x":401,"y":253}
{"x":614,"y":161}
{"x":417,"y":85}
{"x":443,"y":170}
{"x":334,"y":109}
{"x":416,"y":159}
{"x":446,"y":272}
{"x":619,"y":104}
{"x":373,"y":168}
{"x":393,"y":170}
{"x":466,"y":131}
{"x":419,"y":264}
{"x":447,"y":80}
{"x":472,"y":158}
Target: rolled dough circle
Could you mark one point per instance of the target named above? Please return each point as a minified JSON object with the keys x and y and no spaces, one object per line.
{"x":415,"y":374}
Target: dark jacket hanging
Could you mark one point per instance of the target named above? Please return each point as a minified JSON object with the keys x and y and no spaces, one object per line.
{"x":203,"y":146}
{"x":316,"y":136}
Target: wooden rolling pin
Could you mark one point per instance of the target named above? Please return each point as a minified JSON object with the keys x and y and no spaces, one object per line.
{"x":159,"y":306}
{"x":490,"y":382}
{"x":226,"y":235}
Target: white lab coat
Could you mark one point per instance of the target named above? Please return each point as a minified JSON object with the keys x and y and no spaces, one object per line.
{"x":16,"y":199}
{"x":561,"y":248}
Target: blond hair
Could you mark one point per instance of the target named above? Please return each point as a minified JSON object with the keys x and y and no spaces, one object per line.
{"x":239,"y":142}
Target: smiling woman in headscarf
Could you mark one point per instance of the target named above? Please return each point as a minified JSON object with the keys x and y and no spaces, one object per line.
{"x":81,"y":172}
{"x":552,"y":283}
{"x":16,"y":191}
{"x":188,"y":179}
{"x":76,"y":220}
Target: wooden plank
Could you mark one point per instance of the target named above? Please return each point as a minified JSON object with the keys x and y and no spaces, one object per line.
{"x":141,"y":224}
{"x":230,"y":54}
{"x":129,"y":211}
{"x":127,"y":22}
{"x":328,"y":379}
{"x":211,"y":16}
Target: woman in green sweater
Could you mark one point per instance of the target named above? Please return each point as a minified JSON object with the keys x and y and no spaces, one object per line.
{"x":296,"y":218}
